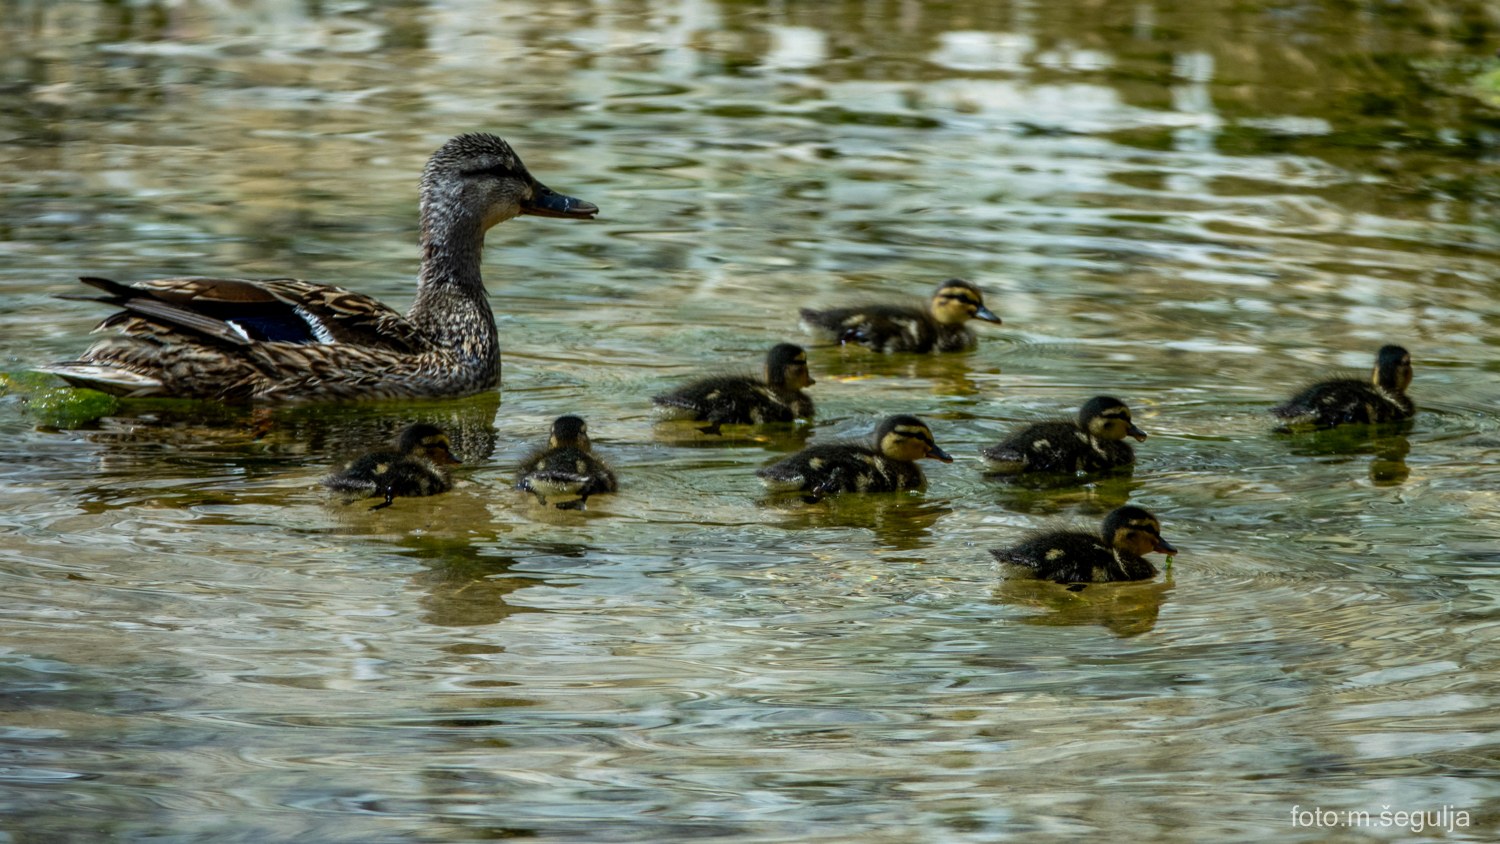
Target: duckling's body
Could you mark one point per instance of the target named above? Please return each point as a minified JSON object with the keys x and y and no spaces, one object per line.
{"x":566,"y":467}
{"x":745,"y":400}
{"x":887,"y":465}
{"x":1349,"y":401}
{"x":289,"y":340}
{"x":1118,"y":552}
{"x":907,"y":328}
{"x":417,"y":466}
{"x":1095,"y":442}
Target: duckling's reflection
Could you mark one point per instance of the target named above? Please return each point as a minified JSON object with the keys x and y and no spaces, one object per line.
{"x":468,"y":586}
{"x":899,"y":520}
{"x":949,"y":374}
{"x":150,"y":439}
{"x":1124,"y":609}
{"x":780,"y":438}
{"x":1387,"y":443}
{"x":1050,"y":495}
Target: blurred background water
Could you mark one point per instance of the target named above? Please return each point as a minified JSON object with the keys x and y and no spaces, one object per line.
{"x":1195,"y":206}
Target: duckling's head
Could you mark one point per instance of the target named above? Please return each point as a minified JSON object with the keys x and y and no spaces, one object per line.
{"x":956,"y":301}
{"x":786,"y":367}
{"x":570,"y":431}
{"x":1392,"y":369}
{"x":1135,"y":531}
{"x":428,"y":442}
{"x":478,"y":178}
{"x":908,"y":439}
{"x":1107,"y":418}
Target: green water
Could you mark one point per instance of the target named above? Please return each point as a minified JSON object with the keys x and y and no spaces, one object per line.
{"x":1196,"y":207}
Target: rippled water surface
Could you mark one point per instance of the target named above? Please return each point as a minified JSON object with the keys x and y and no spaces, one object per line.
{"x":1194,"y":206}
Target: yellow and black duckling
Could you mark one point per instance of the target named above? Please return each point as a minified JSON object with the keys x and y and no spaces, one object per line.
{"x":743,"y":399}
{"x":417,"y":466}
{"x":288,"y":340}
{"x":566,"y":467}
{"x":886,"y":466}
{"x":907,"y":328}
{"x":1094,"y":442}
{"x":1344,"y":401}
{"x":1117,"y":552}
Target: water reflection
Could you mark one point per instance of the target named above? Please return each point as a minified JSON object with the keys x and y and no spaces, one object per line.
{"x":1124,"y":609}
{"x":1051,"y":495}
{"x":466,"y":584}
{"x":900,"y":520}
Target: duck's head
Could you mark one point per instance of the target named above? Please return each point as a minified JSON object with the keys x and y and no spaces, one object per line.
{"x":479,"y":178}
{"x":1135,"y":531}
{"x":1392,"y":369}
{"x":1107,"y":418}
{"x":571,"y":432}
{"x":908,"y":439}
{"x":786,"y":367}
{"x":428,"y":442}
{"x":956,"y":301}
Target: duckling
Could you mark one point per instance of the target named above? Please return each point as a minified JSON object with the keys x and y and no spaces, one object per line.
{"x":417,"y":466}
{"x":567,"y":466}
{"x":888,"y":466}
{"x":904,"y":328}
{"x":281,"y":339}
{"x":1094,"y":443}
{"x":1117,"y":552}
{"x":1343,"y":401}
{"x":744,"y":400}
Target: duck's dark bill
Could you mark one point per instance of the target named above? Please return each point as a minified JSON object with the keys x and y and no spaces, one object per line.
{"x":987,"y":315}
{"x":938,"y":454}
{"x":1164,"y":547}
{"x":549,"y":203}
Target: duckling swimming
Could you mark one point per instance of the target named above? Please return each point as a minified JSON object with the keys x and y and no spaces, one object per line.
{"x":1344,"y":401}
{"x":1093,"y":443}
{"x":888,"y":466}
{"x":904,"y":328}
{"x":567,"y":466}
{"x":417,"y":466}
{"x":744,"y":400}
{"x":1117,"y":552}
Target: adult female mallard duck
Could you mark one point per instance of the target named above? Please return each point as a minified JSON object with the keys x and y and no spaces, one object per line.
{"x":566,"y":467}
{"x":745,"y":400}
{"x":417,"y":466}
{"x":288,"y":340}
{"x":1093,"y":443}
{"x":907,"y":328}
{"x":1117,"y":552}
{"x":1343,"y":401}
{"x":887,"y":465}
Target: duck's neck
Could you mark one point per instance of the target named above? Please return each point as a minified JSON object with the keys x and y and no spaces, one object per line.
{"x":451,"y":305}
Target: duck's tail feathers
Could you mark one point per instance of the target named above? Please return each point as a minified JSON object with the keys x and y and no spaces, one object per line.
{"x":144,"y":302}
{"x":106,"y":379}
{"x":1009,"y":557}
{"x":1002,"y":459}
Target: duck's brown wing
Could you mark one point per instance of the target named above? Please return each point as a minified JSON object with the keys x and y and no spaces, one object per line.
{"x":241,"y":312}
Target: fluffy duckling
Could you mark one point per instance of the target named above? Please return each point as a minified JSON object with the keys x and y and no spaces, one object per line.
{"x":1117,"y":552}
{"x":417,"y":466}
{"x":904,"y":328}
{"x":567,"y":466}
{"x":745,"y":400}
{"x":1342,"y":401}
{"x":1093,"y":443}
{"x":887,"y":466}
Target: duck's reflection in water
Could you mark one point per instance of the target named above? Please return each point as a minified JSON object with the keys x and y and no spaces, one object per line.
{"x":1124,"y":609}
{"x":901,"y":521}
